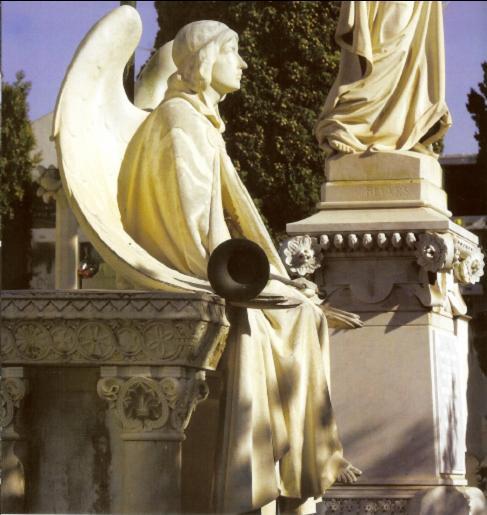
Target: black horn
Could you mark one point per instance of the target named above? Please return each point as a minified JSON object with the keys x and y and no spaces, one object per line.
{"x":238,"y":270}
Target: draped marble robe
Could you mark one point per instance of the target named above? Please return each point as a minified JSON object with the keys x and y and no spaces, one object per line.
{"x":390,"y":89}
{"x":179,"y":197}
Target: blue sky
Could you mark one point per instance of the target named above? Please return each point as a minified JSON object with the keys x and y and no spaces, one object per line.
{"x":41,"y":38}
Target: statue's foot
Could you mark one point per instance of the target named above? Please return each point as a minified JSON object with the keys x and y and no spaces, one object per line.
{"x":340,"y":147}
{"x":349,"y":475}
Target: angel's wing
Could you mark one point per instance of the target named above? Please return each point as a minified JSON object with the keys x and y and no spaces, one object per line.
{"x":152,"y":84}
{"x":93,"y":123}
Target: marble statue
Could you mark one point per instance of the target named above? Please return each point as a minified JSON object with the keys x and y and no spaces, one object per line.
{"x":157,"y":193}
{"x":390,"y":91}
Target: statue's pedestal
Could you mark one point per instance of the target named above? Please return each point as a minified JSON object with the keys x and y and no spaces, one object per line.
{"x":398,"y":385}
{"x":106,"y":384}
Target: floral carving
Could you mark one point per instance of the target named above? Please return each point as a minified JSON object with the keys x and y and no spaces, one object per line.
{"x":7,"y":341}
{"x":435,"y":252}
{"x":470,"y":269}
{"x":339,"y":506}
{"x":12,"y":391}
{"x":130,"y":341}
{"x":301,"y":255}
{"x":142,"y":405}
{"x":96,"y":341}
{"x":145,"y":404}
{"x":161,"y":340}
{"x":64,"y":341}
{"x":193,"y":342}
{"x":33,"y":340}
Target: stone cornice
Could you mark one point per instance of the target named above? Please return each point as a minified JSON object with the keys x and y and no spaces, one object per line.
{"x":112,"y":328}
{"x":435,"y":252}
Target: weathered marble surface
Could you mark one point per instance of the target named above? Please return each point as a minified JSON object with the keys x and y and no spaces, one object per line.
{"x":398,"y":384}
{"x":112,"y":328}
{"x":97,"y":391}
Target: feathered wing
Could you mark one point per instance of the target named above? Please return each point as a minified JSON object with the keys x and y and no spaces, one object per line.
{"x":152,"y":84}
{"x":93,"y":124}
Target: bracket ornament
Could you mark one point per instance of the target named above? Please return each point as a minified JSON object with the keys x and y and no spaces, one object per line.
{"x":12,"y":391}
{"x":145,"y":404}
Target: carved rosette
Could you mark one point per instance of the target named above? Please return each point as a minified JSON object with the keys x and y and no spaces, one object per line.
{"x":196,"y":343}
{"x":12,"y":391}
{"x":301,"y":255}
{"x":435,"y":252}
{"x":446,"y":253}
{"x":145,"y":404}
{"x":470,"y":269}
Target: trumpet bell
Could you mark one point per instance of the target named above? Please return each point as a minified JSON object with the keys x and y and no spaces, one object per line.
{"x":238,"y":270}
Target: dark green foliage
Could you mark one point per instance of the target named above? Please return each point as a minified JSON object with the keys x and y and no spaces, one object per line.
{"x":16,"y":192}
{"x":477,"y":107}
{"x":16,"y":159}
{"x":292,"y":58}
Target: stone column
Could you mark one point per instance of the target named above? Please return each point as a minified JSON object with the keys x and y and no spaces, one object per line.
{"x":67,"y":258}
{"x":67,"y":253}
{"x":13,"y":388}
{"x":389,"y":252}
{"x":153,"y":406}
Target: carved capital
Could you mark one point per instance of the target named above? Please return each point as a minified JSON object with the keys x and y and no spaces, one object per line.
{"x":146,"y":404}
{"x":12,"y":391}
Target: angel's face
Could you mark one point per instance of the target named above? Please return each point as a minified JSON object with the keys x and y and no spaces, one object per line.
{"x":227,"y":70}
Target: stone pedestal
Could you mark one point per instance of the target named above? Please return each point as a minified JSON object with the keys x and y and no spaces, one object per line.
{"x":389,"y":253}
{"x":146,"y":356}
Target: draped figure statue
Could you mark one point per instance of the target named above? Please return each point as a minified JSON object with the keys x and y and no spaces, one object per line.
{"x":390,"y":90}
{"x":156,"y":193}
{"x":180,"y":197}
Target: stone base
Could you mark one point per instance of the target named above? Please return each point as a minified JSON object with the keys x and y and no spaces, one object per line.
{"x":440,"y":500}
{"x":444,"y":500}
{"x":383,"y":179}
{"x":382,"y":246}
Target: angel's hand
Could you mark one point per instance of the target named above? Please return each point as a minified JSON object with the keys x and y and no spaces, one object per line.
{"x":349,"y":475}
{"x":340,"y":319}
{"x":307,"y":288}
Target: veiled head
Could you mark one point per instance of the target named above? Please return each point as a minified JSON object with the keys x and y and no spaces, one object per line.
{"x":206,"y":53}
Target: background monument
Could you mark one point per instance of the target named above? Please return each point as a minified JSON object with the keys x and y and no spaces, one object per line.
{"x":392,"y":255}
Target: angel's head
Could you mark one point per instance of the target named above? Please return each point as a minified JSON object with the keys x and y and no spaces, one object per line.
{"x":206,"y":54}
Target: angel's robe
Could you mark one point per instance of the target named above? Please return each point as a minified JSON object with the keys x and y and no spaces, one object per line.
{"x":179,"y":197}
{"x":390,"y":89}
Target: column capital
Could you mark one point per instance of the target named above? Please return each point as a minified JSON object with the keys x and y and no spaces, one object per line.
{"x":153,"y":403}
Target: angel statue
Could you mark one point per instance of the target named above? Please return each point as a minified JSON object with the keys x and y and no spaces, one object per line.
{"x":157,"y":193}
{"x":390,"y":91}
